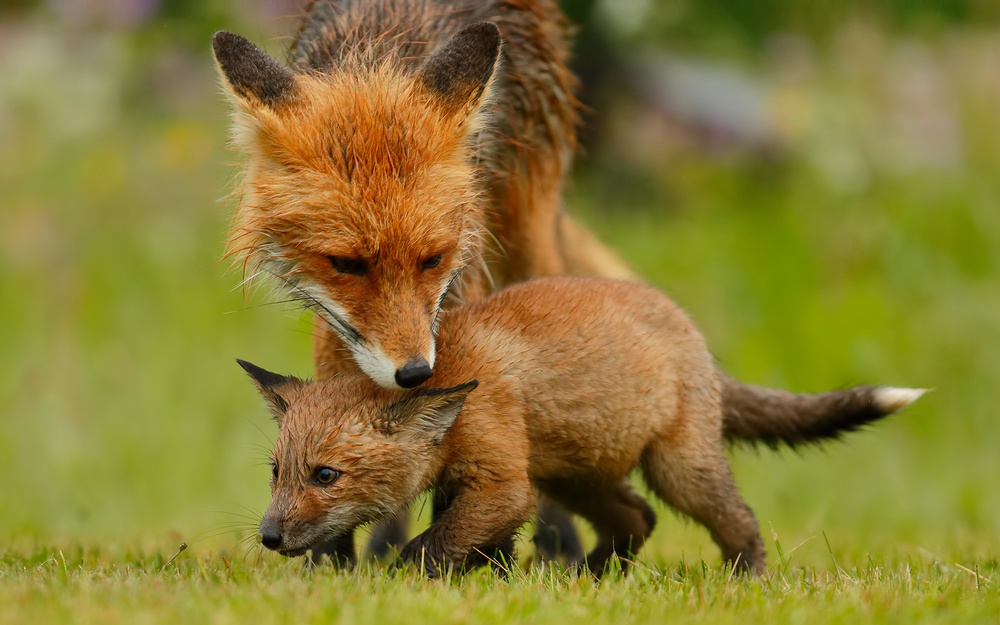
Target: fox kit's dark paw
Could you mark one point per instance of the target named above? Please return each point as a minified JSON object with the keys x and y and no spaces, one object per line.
{"x":420,"y":553}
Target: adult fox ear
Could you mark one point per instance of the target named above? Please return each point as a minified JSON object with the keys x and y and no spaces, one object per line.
{"x":275,"y":388}
{"x":431,"y":411}
{"x":251,"y":75}
{"x":460,"y":73}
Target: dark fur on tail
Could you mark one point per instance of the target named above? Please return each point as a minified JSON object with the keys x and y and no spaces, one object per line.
{"x":755,"y":414}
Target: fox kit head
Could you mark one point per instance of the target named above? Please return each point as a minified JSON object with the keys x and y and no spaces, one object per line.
{"x":348,"y":453}
{"x":360,"y":193}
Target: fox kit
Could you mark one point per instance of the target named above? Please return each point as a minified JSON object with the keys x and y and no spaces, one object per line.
{"x":562,"y":384}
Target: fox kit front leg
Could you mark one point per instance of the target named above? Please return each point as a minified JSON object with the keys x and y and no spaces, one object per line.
{"x":480,"y":521}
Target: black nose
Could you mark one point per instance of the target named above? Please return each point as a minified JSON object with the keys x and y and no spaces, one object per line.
{"x":414,"y":373}
{"x":270,"y":537}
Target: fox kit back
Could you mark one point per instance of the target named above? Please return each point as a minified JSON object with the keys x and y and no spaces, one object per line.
{"x":564,"y":384}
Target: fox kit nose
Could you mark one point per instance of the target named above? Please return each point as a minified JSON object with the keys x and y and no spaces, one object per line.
{"x":270,"y":537}
{"x":415,"y":372}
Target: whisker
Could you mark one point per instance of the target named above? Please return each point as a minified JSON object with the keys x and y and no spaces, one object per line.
{"x":242,"y":515}
{"x":262,"y":433}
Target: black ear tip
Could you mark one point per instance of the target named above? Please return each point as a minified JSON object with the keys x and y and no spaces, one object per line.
{"x":249,"y":367}
{"x":486,"y":36}
{"x":224,"y":40}
{"x":258,"y":373}
{"x":231,"y":49}
{"x":471,"y":385}
{"x":486,"y":30}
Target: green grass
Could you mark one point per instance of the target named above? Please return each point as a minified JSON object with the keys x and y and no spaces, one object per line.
{"x":126,"y":586}
{"x":127,"y":427}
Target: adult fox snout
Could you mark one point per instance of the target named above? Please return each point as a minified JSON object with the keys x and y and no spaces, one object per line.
{"x":415,"y":372}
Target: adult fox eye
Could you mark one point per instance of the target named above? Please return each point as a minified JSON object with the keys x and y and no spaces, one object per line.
{"x":432,"y":262}
{"x":326,"y":475}
{"x":350,"y":266}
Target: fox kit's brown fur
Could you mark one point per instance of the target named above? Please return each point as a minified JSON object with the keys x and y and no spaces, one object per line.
{"x":579,"y":382}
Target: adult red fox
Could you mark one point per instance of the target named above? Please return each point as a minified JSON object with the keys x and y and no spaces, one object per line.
{"x":561,"y":384}
{"x":408,"y":140}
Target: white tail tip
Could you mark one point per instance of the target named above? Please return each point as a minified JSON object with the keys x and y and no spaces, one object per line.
{"x":894,"y":399}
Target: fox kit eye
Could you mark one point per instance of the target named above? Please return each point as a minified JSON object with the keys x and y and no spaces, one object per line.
{"x":431,"y":262}
{"x":350,"y":266}
{"x":274,"y":471}
{"x":325,"y":476}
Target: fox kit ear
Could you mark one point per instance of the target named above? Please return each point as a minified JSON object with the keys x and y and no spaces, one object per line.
{"x":275,"y":388}
{"x":250,"y":73}
{"x":432,"y":411}
{"x":461,"y":71}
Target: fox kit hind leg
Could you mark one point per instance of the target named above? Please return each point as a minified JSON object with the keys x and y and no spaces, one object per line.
{"x":686,"y":466}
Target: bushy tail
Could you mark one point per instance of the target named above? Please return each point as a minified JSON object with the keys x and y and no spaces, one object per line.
{"x":773,"y":417}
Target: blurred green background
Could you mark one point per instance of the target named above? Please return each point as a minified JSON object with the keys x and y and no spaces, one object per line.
{"x":817,"y":183}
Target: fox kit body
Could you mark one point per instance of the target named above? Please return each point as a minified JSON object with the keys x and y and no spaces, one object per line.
{"x":565,"y":385}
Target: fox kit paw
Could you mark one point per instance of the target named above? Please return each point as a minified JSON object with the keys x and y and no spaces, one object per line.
{"x":421,"y":553}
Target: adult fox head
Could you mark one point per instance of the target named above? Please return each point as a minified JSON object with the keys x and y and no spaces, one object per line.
{"x":348,"y":453}
{"x":360,"y":192}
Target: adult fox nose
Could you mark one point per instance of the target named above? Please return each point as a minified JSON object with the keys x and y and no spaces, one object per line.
{"x":270,"y":537}
{"x":415,"y":372}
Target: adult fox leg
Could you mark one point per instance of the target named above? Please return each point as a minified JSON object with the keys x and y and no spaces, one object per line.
{"x":555,"y":536}
{"x":529,"y":233}
{"x":529,"y":228}
{"x":340,"y":552}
